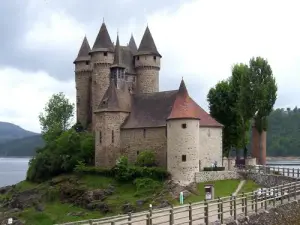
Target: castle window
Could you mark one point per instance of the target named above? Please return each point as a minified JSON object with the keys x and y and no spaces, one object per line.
{"x":183,"y":125}
{"x":105,"y":53}
{"x":138,"y":152}
{"x":166,"y":132}
{"x":154,"y":57}
{"x":183,"y":158}
{"x":137,"y":58}
{"x":144,"y":133}
{"x":133,"y":79}
{"x":145,"y":57}
{"x":87,"y":63}
{"x":100,"y":137}
{"x":112,"y":137}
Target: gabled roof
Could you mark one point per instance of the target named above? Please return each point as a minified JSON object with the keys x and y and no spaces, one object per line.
{"x":115,"y":100}
{"x":103,"y":41}
{"x":147,"y":45}
{"x":83,"y":54}
{"x":154,"y":109}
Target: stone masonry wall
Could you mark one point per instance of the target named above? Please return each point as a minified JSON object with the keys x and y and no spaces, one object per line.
{"x":286,"y":214}
{"x":147,"y":69}
{"x":205,"y":176}
{"x":108,"y":137}
{"x":82,"y":79}
{"x":100,"y":77}
{"x":210,"y":146}
{"x":183,"y":150}
{"x":268,"y":180}
{"x":136,"y":140}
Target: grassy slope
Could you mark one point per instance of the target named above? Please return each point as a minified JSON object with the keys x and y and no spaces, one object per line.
{"x":56,"y":212}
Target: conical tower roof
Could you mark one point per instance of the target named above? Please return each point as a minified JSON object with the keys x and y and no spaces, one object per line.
{"x":103,"y":41}
{"x":184,"y":106}
{"x":83,"y":54}
{"x":147,"y":45}
{"x":118,"y":62}
{"x":132,"y":45}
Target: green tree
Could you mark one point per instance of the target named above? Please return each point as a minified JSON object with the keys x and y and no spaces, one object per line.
{"x":222,"y":106}
{"x":56,"y":117}
{"x":265,"y":91}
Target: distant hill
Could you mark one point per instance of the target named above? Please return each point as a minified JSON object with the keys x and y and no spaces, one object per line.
{"x":18,"y":142}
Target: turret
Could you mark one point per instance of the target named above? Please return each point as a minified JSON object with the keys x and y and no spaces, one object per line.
{"x":183,"y":138}
{"x":82,"y":81}
{"x":109,"y":117}
{"x":147,"y":64}
{"x":102,"y":57}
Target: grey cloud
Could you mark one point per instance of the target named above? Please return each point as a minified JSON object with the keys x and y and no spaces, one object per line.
{"x":117,"y":13}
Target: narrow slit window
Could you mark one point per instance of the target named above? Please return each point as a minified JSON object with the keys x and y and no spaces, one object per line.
{"x":183,"y":158}
{"x":144,"y":133}
{"x":105,"y":53}
{"x":138,"y":152}
{"x":183,"y":125}
{"x":100,"y":137}
{"x":112,"y":137}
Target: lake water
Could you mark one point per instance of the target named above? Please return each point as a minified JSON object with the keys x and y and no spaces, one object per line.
{"x":13,"y":170}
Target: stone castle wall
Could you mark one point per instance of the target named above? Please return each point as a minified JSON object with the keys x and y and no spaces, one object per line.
{"x":210,"y":146}
{"x":136,"y":140}
{"x":147,"y":69}
{"x":82,"y":79}
{"x":183,"y":149}
{"x":108,"y":137}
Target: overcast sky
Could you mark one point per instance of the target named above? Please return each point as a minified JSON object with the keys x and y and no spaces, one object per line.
{"x":199,"y":40}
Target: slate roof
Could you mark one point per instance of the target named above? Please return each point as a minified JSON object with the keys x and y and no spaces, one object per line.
{"x":154,"y":109}
{"x":83,"y":54}
{"x":103,"y":41}
{"x":132,"y":45}
{"x":147,"y":45}
{"x":118,"y":59}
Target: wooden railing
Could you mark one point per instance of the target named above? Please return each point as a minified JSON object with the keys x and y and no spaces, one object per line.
{"x":218,"y":209}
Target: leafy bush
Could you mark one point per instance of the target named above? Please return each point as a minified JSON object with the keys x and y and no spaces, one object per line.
{"x":214,"y":168}
{"x":124,"y":172}
{"x":146,"y":186}
{"x":62,"y":155}
{"x":146,"y":158}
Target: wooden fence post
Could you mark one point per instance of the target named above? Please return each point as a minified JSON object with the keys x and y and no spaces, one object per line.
{"x":288,"y":173}
{"x":222,"y":215}
{"x":256,"y":202}
{"x":90,"y":222}
{"x":112,"y":223}
{"x":295,"y":192}
{"x":246,"y":205}
{"x":293,"y":172}
{"x":148,"y":219}
{"x":283,"y":171}
{"x":282,"y":195}
{"x":231,"y":198}
{"x":234,"y":208}
{"x":150,"y":214}
{"x":206,"y":212}
{"x":252,"y":200}
{"x":171,"y":219}
{"x":219,"y":208}
{"x":298,"y":172}
{"x":275,"y":194}
{"x":289,"y":192}
{"x":265,"y":200}
{"x":190,"y":214}
{"x":243,"y":201}
{"x":129,"y":218}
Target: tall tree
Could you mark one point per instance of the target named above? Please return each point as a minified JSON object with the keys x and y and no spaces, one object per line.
{"x":222,"y":108}
{"x":56,"y":117}
{"x":265,"y":91}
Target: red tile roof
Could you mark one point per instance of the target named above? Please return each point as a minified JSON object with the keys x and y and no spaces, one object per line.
{"x":185,"y":107}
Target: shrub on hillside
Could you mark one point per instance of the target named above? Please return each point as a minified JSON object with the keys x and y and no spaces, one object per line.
{"x":146,"y":186}
{"x":146,"y":158}
{"x":62,"y":155}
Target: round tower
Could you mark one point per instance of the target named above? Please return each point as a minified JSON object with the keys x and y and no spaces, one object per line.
{"x":183,"y":138}
{"x":102,"y":57}
{"x":82,"y":81}
{"x":147,"y":65}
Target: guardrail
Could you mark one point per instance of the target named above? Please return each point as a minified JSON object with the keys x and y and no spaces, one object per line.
{"x":209,"y":211}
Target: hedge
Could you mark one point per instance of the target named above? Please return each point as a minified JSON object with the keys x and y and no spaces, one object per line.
{"x":214,"y":168}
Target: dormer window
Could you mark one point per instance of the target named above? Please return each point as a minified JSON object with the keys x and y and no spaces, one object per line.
{"x":105,"y":53}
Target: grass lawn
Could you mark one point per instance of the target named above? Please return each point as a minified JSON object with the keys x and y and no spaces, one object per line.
{"x":222,"y":188}
{"x":249,"y":186}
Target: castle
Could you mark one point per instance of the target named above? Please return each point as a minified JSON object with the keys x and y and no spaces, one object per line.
{"x":118,"y":98}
